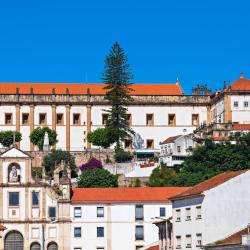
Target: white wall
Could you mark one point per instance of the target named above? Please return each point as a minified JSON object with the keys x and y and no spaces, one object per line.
{"x":240,"y":114}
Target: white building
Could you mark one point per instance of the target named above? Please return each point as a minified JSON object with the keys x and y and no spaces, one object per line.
{"x":211,"y":210}
{"x":158,"y":111}
{"x":118,"y":218}
{"x":175,"y":149}
{"x":33,"y":215}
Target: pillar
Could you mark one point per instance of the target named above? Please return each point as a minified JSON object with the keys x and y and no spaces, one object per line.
{"x":208,"y":114}
{"x":18,"y":121}
{"x":54,"y":120}
{"x":68,"y":127}
{"x":227,"y":109}
{"x":88,"y":123}
{"x":31,"y":123}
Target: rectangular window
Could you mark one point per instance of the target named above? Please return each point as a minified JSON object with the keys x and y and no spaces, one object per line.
{"x":35,"y":199}
{"x":188,"y":241}
{"x":236,"y":104}
{"x":139,"y":233}
{"x":178,"y":242}
{"x":188,"y":213}
{"x":150,"y":144}
{"x":246,"y":104}
{"x":128,"y":143}
{"x":77,"y":248}
{"x":139,"y":212}
{"x":195,"y":119}
{"x":42,"y":119}
{"x":100,"y":212}
{"x":150,"y":119}
{"x":100,"y":248}
{"x":199,"y":239}
{"x":52,"y":212}
{"x":14,"y":199}
{"x":198,"y":212}
{"x":76,"y":119}
{"x":178,"y":149}
{"x":77,"y":232}
{"x":162,"y":211}
{"x":171,"y":120}
{"x":138,"y":247}
{"x":100,"y":232}
{"x":25,"y":119}
{"x":129,"y":119}
{"x":105,"y":119}
{"x":59,"y":119}
{"x":8,"y":119}
{"x":178,"y":215}
{"x":77,"y":212}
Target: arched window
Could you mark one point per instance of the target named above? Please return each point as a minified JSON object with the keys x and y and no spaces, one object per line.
{"x":35,"y":246}
{"x":52,"y":246}
{"x":14,"y":172}
{"x":13,"y":241}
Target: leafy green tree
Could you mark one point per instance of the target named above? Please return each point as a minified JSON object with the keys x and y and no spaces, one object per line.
{"x":117,"y":78}
{"x":51,"y":160}
{"x":98,"y":177}
{"x":161,"y":176}
{"x":211,"y":159}
{"x":6,"y":137}
{"x":37,"y":136}
{"x":99,"y":137}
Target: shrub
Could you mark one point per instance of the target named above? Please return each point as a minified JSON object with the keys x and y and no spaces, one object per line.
{"x":122,"y":156}
{"x":97,"y":177}
{"x":6,"y":137}
{"x":55,"y":157}
{"x":91,"y":164}
{"x":37,"y":172}
{"x":37,"y":136}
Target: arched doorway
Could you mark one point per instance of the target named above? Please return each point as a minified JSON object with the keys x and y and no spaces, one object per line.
{"x":13,"y":241}
{"x":52,"y":246}
{"x":35,"y":246}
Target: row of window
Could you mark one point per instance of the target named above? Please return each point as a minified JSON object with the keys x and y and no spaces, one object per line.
{"x":236,"y":104}
{"x":150,"y":119}
{"x":78,"y":232}
{"x":42,"y":119}
{"x":188,"y":241}
{"x":139,"y":212}
{"x":187,"y":214}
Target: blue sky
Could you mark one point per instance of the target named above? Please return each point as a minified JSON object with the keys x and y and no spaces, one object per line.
{"x":200,"y":41}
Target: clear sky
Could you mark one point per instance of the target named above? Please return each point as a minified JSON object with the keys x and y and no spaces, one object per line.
{"x":200,"y":41}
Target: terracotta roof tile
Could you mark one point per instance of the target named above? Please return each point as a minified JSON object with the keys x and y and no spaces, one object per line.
{"x":209,"y":184}
{"x":124,"y":195}
{"x":153,"y":248}
{"x":241,"y":127}
{"x":242,"y":84}
{"x":81,"y":88}
{"x":235,"y":238}
{"x":170,"y":139}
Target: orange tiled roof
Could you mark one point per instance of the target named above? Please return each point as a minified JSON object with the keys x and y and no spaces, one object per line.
{"x":242,"y":84}
{"x":241,"y":127}
{"x":153,"y":248}
{"x":220,"y":138}
{"x":81,"y":88}
{"x":235,"y":238}
{"x":124,"y":195}
{"x":170,"y":139}
{"x":209,"y":184}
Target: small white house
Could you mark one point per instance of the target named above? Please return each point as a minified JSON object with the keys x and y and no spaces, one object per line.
{"x":211,"y":210}
{"x":175,"y":149}
{"x":118,"y":218}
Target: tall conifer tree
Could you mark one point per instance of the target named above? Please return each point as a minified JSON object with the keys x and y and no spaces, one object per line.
{"x":117,"y":77}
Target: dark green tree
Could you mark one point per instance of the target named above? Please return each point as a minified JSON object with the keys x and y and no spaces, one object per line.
{"x":6,"y":137}
{"x":98,"y":177}
{"x":37,"y":136}
{"x":99,"y":137}
{"x":161,"y":176}
{"x":55,"y":157}
{"x":117,"y":77}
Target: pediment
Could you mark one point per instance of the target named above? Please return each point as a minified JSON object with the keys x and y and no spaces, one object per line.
{"x":14,"y":153}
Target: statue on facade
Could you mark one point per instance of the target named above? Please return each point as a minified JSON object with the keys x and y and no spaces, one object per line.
{"x":13,"y":174}
{"x":138,"y":142}
{"x":46,"y":146}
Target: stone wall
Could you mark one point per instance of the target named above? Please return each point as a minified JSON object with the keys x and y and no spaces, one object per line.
{"x":81,"y":157}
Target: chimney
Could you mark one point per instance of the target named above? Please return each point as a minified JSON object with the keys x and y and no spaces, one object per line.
{"x":225,"y":85}
{"x":241,"y":75}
